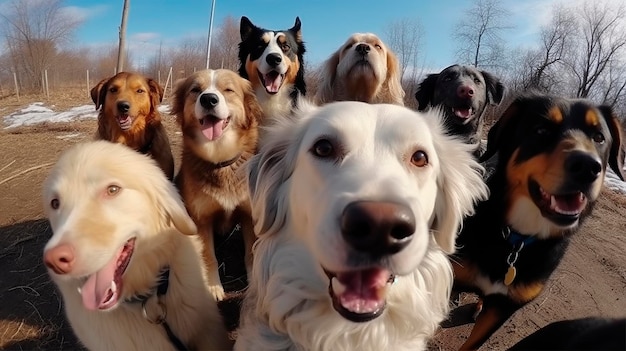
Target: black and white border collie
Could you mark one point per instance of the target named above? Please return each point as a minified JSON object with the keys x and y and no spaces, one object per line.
{"x":272,"y":60}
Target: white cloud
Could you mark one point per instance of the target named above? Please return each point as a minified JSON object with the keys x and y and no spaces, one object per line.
{"x":82,"y":14}
{"x":144,"y":37}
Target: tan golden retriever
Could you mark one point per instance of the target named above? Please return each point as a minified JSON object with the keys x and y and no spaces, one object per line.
{"x":362,"y":69}
{"x":129,"y":116}
{"x":118,"y":257}
{"x":355,"y":207}
{"x":218,"y":114}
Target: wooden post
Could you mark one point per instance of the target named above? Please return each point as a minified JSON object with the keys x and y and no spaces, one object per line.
{"x":17,"y":87}
{"x":88,"y":92}
{"x":121,"y":50}
{"x":46,"y":83}
{"x":167,"y":82}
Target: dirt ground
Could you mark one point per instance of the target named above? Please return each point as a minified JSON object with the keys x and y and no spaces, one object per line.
{"x":591,"y":281}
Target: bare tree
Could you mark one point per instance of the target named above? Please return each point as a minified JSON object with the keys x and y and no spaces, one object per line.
{"x":479,"y":34}
{"x":33,"y":31}
{"x":404,"y":37}
{"x":603,"y":42}
{"x":225,"y":47}
{"x":536,"y":67}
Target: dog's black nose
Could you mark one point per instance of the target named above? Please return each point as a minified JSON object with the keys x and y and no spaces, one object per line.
{"x":209,"y":100}
{"x":363,"y":49}
{"x":377,"y":227}
{"x":582,"y":167}
{"x":274,"y":59}
{"x":123,"y":106}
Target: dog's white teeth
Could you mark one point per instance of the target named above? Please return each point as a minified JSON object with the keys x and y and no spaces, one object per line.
{"x":79,"y":289}
{"x":338,"y":288}
{"x":113,"y":287}
{"x":553,"y":204}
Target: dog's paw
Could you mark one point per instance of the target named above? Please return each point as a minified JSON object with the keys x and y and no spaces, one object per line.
{"x":217,"y":290}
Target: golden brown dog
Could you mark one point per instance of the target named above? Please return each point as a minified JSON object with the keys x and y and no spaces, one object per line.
{"x":362,"y":69}
{"x":129,"y":116}
{"x":218,"y":114}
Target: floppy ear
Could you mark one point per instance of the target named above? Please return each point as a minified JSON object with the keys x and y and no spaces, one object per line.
{"x":460,"y":185}
{"x":616,"y":156}
{"x":156,"y":92}
{"x":328,"y":75}
{"x":176,"y":212}
{"x":254,"y":112}
{"x":178,"y":100}
{"x":495,"y":88}
{"x":98,"y":92}
{"x":268,"y":172}
{"x":426,"y":91}
{"x":393,"y":79}
{"x":497,"y":131}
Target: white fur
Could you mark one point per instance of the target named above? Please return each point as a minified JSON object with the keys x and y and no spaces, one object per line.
{"x":297,"y":199}
{"x":96,"y":224}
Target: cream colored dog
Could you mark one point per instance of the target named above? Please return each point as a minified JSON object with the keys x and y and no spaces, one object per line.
{"x":356,"y":206}
{"x":118,"y":257}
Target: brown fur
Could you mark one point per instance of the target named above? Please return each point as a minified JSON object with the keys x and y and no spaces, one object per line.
{"x":216,"y":196}
{"x":146,"y":133}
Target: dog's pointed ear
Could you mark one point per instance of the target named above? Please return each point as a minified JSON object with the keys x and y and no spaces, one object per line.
{"x":98,"y":92}
{"x":425,"y":93}
{"x":297,"y":28}
{"x":495,"y":88}
{"x":394,"y":79}
{"x":460,"y":185}
{"x":616,"y":156}
{"x":327,"y":76}
{"x":156,"y":92}
{"x":246,"y":28}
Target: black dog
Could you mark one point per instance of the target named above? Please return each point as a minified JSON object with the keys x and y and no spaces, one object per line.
{"x":577,"y":334}
{"x":552,"y":158}
{"x":462,"y":92}
{"x":273,"y":62}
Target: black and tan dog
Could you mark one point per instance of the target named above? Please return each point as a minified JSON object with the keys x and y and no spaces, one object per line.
{"x":552,"y":157}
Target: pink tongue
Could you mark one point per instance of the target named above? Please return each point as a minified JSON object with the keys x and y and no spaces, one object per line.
{"x":212,"y":128}
{"x":462,"y":113}
{"x":364,"y":289}
{"x":97,"y":289}
{"x":273,"y":81}
{"x":570,"y":203}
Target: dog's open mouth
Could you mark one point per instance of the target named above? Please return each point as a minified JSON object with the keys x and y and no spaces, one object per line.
{"x":359,"y":296}
{"x":125,"y":121}
{"x":213,"y":127}
{"x":103,"y":288}
{"x":562,"y":209}
{"x":272,"y":81}
{"x":464,"y":113}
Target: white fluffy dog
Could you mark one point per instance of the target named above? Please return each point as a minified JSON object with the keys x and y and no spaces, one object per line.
{"x":356,"y":206}
{"x":117,"y":223}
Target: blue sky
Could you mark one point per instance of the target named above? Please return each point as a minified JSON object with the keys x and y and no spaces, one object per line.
{"x":326,"y":24}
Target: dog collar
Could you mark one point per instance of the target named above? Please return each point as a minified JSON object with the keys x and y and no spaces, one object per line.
{"x":517,"y":241}
{"x":227,"y":162}
{"x":161,"y":290}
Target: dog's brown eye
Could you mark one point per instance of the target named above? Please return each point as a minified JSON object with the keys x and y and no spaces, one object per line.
{"x":323,"y":148}
{"x":55,"y":204}
{"x":477,"y":80}
{"x":112,"y":190}
{"x":419,"y":159}
{"x":195,"y":90}
{"x":112,"y":89}
{"x":378,"y":47}
{"x":598,"y":138}
{"x":140,"y":91}
{"x":285,"y":47}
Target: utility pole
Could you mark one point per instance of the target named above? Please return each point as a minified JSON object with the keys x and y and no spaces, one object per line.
{"x":208,"y":49}
{"x":121,"y":50}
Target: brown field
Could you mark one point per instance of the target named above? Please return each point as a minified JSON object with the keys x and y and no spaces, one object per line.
{"x":590,"y":282}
